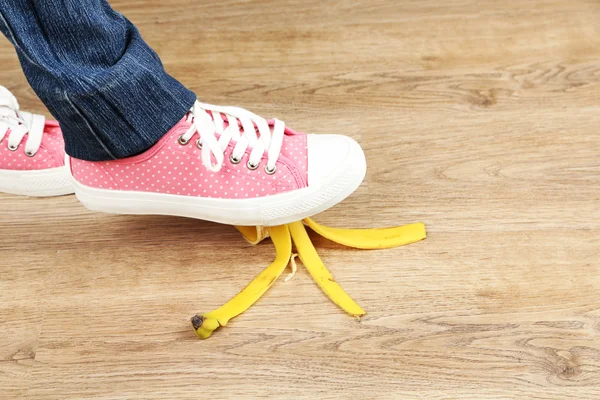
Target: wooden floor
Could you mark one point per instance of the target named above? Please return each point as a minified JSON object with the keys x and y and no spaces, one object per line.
{"x":479,"y":118}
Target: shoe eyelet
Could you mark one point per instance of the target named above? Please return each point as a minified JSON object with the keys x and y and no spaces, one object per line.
{"x":183,"y":141}
{"x":11,"y":148}
{"x":29,"y":153}
{"x":199,"y":144}
{"x":270,"y":171}
{"x":252,"y":167}
{"x":234,"y":160}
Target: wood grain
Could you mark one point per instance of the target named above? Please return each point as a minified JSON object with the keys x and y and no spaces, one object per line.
{"x":480,"y":119}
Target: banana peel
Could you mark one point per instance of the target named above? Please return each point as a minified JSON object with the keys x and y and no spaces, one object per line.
{"x":283,"y":237}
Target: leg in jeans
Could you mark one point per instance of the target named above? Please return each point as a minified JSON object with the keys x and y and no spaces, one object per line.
{"x":97,"y":76}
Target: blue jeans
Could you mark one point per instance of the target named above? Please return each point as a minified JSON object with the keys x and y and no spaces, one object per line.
{"x":92,"y":69}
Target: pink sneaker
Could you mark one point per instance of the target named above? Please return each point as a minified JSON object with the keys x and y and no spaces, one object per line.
{"x":32,"y":155}
{"x":228,"y":165}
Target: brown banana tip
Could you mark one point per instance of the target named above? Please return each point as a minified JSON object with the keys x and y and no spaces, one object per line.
{"x":197,"y":321}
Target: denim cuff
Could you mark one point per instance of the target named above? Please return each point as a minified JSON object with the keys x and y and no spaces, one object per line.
{"x":121,"y":111}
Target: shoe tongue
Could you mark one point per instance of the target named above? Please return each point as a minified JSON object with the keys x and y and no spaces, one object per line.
{"x":8,"y":103}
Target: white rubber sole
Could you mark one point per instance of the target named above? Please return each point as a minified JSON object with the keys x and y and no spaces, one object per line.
{"x":268,"y":211}
{"x":42,"y":183}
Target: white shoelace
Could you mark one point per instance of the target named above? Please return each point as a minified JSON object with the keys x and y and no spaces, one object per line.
{"x":208,"y":127}
{"x":19,"y":123}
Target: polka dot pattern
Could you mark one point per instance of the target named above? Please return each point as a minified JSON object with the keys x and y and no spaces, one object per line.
{"x":171,"y":168}
{"x":50,"y":155}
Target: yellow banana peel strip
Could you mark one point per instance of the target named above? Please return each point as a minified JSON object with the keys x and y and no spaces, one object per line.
{"x":316,"y":268}
{"x":282,"y":237}
{"x":206,"y":324}
{"x":382,"y":238}
{"x":254,"y":234}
